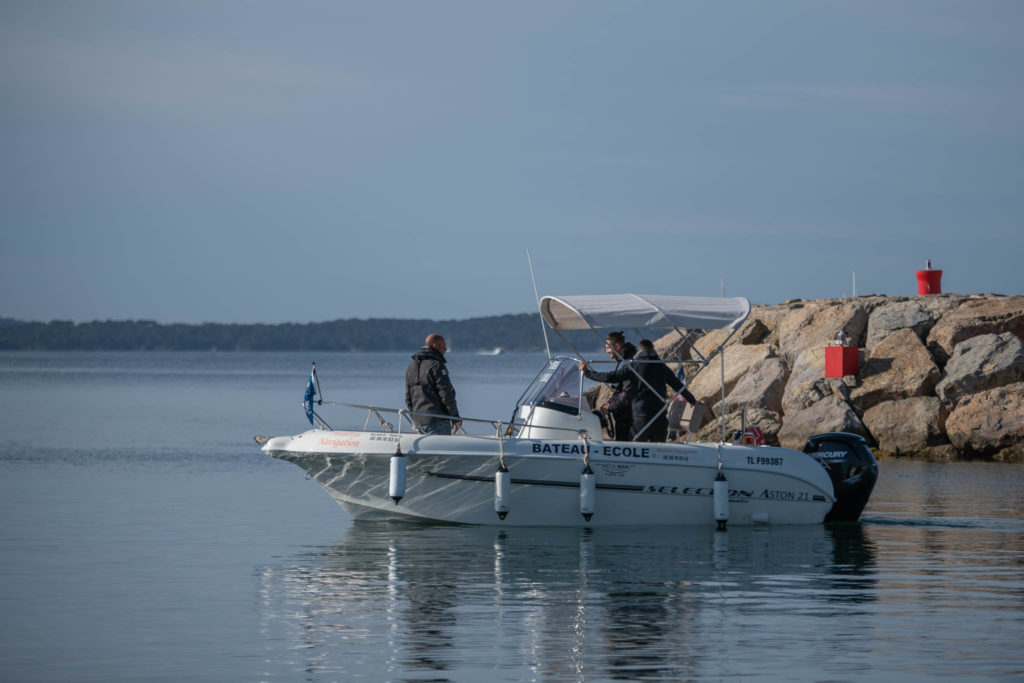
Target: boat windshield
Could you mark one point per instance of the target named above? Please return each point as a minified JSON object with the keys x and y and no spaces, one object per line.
{"x":556,"y":387}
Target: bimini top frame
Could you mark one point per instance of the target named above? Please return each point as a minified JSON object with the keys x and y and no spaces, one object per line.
{"x":602,"y":311}
{"x":587,"y":312}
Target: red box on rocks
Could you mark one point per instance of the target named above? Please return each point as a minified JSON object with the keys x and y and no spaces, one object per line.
{"x":841,"y":361}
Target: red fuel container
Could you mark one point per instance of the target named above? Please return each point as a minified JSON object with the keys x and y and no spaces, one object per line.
{"x":929,"y":282}
{"x":841,"y":361}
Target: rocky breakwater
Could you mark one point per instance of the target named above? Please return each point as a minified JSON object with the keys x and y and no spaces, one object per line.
{"x":940,"y":376}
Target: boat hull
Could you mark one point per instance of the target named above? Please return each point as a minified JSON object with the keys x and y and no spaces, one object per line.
{"x":451,"y":479}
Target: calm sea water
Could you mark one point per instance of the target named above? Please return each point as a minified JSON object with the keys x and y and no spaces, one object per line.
{"x":143,"y":536}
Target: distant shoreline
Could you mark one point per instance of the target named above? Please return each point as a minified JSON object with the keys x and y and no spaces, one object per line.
{"x":511,"y":333}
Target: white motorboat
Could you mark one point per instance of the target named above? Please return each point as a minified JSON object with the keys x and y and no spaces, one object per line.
{"x":551,"y":466}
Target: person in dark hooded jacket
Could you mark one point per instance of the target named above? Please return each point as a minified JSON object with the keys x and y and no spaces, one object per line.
{"x":428,"y":388}
{"x":644,"y":403}
{"x":647,"y":403}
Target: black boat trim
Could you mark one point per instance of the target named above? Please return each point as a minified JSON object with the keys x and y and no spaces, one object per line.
{"x":536,"y":482}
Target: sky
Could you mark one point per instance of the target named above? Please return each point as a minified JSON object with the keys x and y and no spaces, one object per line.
{"x":267,"y":162}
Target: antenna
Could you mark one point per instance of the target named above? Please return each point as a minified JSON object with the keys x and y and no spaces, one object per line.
{"x":543,"y":329}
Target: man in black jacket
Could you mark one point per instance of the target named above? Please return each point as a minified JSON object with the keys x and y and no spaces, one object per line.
{"x":644,"y":402}
{"x":658,"y":375}
{"x":618,"y":409}
{"x":428,"y":388}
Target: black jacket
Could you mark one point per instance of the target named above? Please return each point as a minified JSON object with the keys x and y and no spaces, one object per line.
{"x":644,"y":402}
{"x":622,"y":377}
{"x":428,"y":389}
{"x":620,"y":403}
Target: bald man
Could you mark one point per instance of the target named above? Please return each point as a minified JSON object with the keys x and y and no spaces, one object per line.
{"x":428,"y":388}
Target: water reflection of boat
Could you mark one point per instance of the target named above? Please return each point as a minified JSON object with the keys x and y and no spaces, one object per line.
{"x":551,"y":466}
{"x":610,"y":603}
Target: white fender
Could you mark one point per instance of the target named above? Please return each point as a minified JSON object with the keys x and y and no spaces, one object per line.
{"x":396,"y":487}
{"x":502,"y":491}
{"x":588,"y":493}
{"x":721,"y":495}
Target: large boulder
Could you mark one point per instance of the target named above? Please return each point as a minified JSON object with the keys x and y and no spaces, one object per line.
{"x":939,"y":305}
{"x":772,"y":316}
{"x":900,"y":314}
{"x":973,"y":318}
{"x":753,"y":331}
{"x":802,"y":388}
{"x":830,"y":414}
{"x":907,"y":426}
{"x":897,"y":367}
{"x":738,"y":360}
{"x":712,"y":339}
{"x":990,"y":423}
{"x":983,"y":362}
{"x":817,"y":324}
{"x":760,"y":387}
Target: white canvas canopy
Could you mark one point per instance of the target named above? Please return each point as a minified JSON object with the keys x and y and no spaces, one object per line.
{"x":625,"y":311}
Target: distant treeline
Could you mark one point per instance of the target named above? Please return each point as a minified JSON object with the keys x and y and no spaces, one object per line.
{"x":519,"y":332}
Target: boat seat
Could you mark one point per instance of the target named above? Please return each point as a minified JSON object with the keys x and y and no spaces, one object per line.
{"x":685,"y":417}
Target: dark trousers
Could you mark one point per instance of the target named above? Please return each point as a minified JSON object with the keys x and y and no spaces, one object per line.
{"x":442,"y":428}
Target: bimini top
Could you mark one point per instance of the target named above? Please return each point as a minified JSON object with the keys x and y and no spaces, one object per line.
{"x":626,"y":311}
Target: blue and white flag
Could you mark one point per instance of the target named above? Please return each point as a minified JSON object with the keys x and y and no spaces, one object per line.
{"x":308,"y":397}
{"x":313,"y":394}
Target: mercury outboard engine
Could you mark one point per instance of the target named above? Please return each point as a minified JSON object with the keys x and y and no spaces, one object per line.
{"x":853,"y":470}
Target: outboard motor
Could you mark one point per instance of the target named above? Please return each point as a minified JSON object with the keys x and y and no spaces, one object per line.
{"x":852,"y":467}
